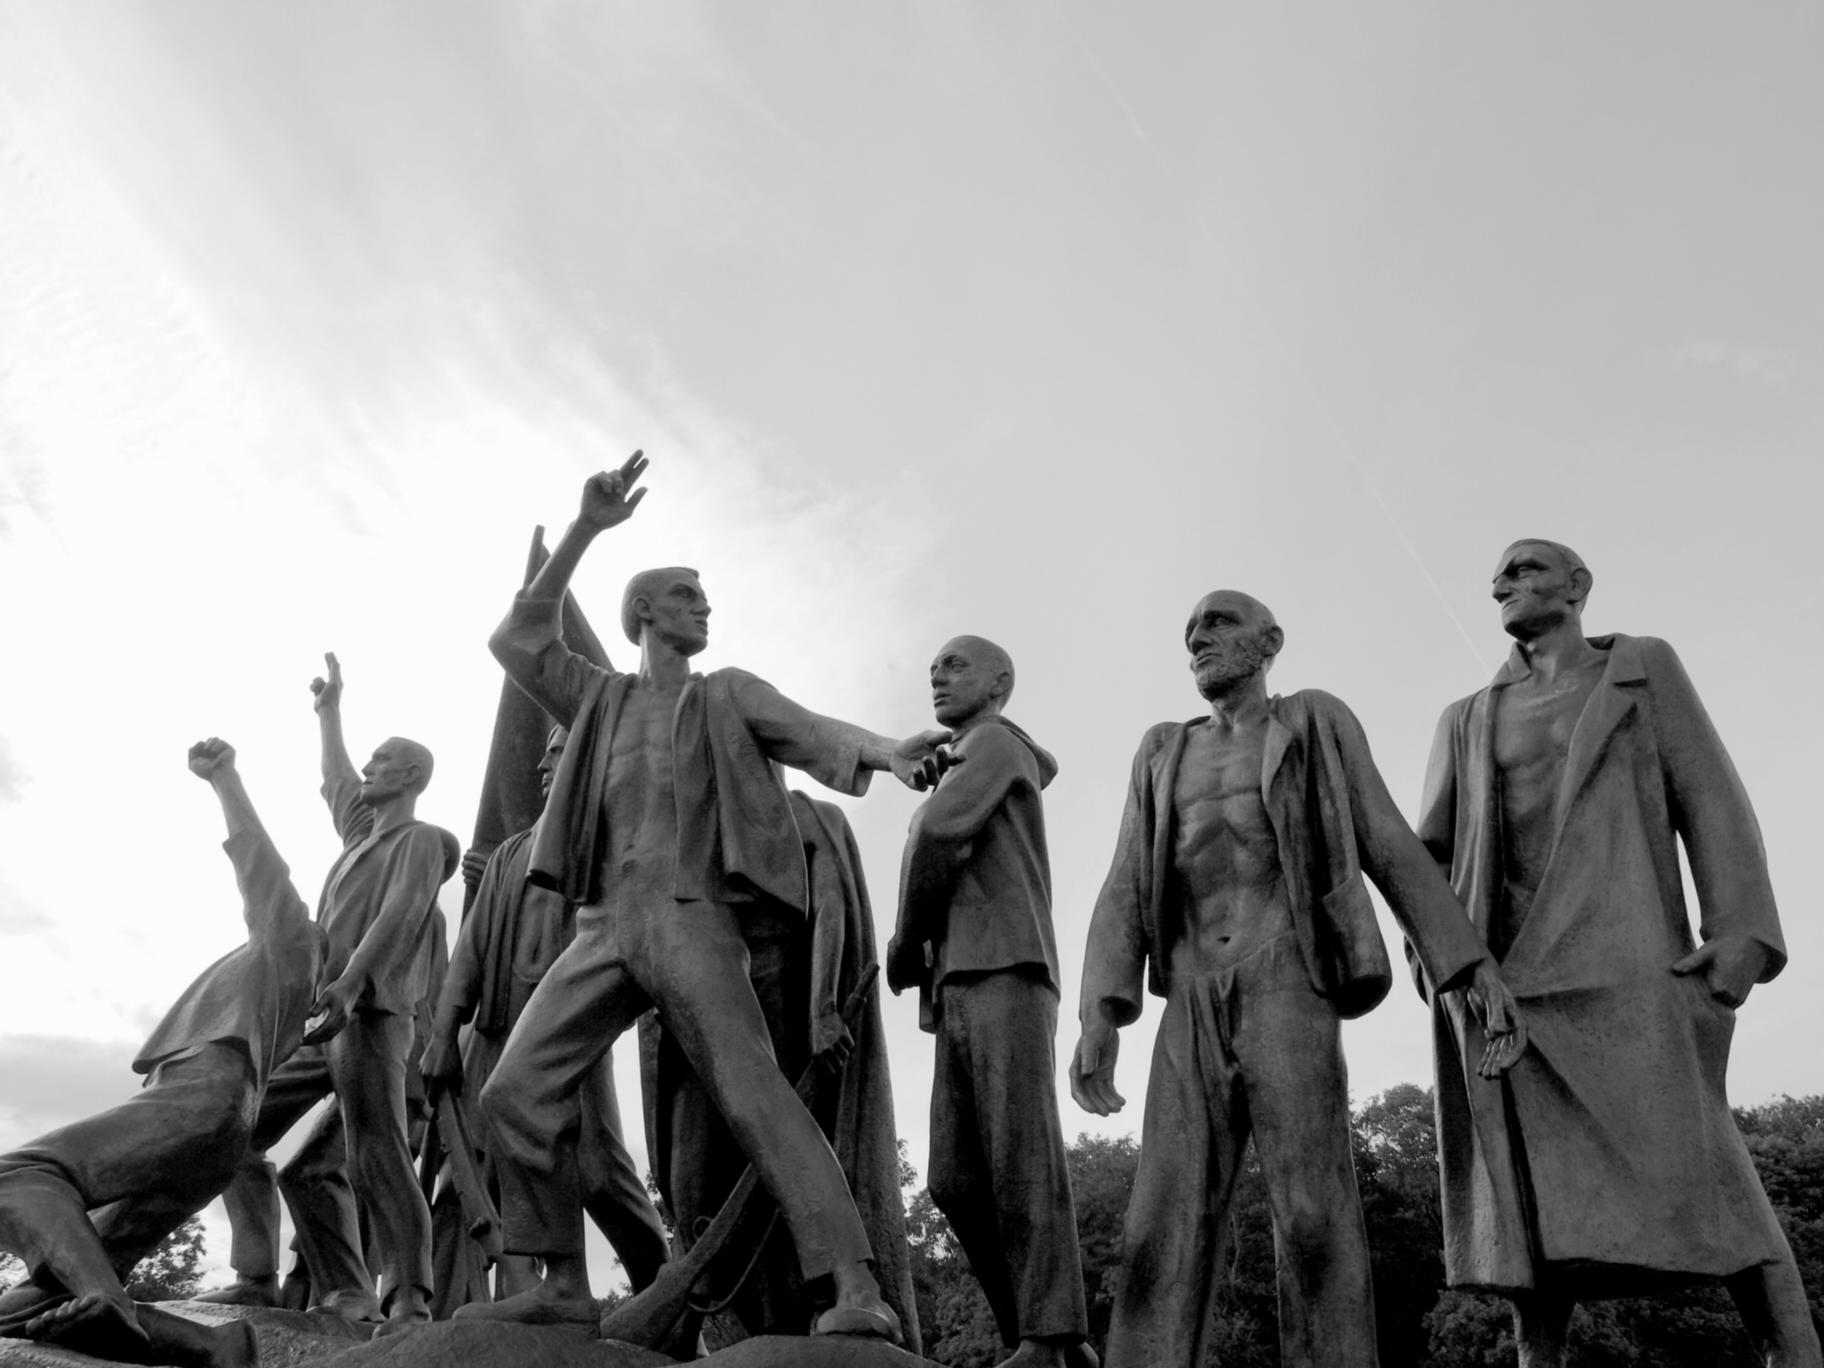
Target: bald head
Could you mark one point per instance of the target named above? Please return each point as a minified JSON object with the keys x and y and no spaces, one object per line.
{"x":1539,"y":583}
{"x":971,"y":678}
{"x":400,"y":767}
{"x":1565,"y":557}
{"x":1232,"y":637}
{"x":417,"y":755}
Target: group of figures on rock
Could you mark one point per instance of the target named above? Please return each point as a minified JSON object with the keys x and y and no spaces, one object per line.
{"x":673,"y":882}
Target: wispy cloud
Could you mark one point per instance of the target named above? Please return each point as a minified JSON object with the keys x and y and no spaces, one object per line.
{"x":53,"y":1080}
{"x":1761,"y":365}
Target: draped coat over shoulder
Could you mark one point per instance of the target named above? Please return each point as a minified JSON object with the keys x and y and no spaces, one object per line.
{"x":1609,"y":1148}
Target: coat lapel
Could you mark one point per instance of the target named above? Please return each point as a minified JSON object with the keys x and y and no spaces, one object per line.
{"x":1273,"y":750}
{"x":1165,"y":779}
{"x":1610,"y":704}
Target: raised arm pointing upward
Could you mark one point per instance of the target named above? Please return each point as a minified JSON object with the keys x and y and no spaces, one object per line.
{"x":668,"y":827}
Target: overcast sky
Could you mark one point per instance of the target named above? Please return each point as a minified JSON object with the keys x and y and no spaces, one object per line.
{"x":1031,"y":320}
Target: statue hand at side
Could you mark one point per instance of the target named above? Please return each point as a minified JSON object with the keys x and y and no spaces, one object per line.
{"x":1092,"y":1069}
{"x":1731,"y":966}
{"x":830,"y":1038}
{"x":441,"y":1065}
{"x":329,"y":1014}
{"x":906,"y":964}
{"x":609,"y":497}
{"x":474,"y":864}
{"x":1494,"y":1007}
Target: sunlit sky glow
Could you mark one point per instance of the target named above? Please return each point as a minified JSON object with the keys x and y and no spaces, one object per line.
{"x":1032,"y":320}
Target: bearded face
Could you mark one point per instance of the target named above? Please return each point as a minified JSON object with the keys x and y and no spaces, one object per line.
{"x":1219,"y":667}
{"x":1231,"y":638}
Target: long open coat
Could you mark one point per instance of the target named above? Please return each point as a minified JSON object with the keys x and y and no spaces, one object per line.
{"x":1609,"y":1148}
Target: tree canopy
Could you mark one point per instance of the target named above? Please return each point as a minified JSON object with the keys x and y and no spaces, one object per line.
{"x":171,"y":1272}
{"x":1420,"y":1324}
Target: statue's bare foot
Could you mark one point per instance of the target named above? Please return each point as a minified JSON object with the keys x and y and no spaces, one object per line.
{"x":539,"y":1306}
{"x":860,"y":1314}
{"x":91,"y":1314}
{"x":1080,"y":1355}
{"x":246,"y":1292}
{"x":351,"y":1304}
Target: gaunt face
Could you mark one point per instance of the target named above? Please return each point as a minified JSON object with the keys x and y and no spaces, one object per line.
{"x":1231,"y":637}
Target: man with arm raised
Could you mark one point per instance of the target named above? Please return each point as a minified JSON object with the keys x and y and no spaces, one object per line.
{"x":666,"y":821}
{"x":87,"y":1202}
{"x":377,"y":914}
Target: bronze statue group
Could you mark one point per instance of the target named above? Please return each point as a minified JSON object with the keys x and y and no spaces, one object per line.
{"x":674,"y":884}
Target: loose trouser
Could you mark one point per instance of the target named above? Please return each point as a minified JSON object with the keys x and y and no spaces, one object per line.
{"x":612,"y":1193}
{"x":148,"y":1164}
{"x":688,"y":960}
{"x":1250,"y":1049}
{"x":316,"y":1187}
{"x":365,"y":1067}
{"x":998,"y":1170}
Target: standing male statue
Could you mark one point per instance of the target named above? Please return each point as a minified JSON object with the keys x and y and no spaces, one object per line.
{"x":84,"y":1204}
{"x":975,"y":938}
{"x":667,"y":820}
{"x":378,"y":912}
{"x":1237,"y":892}
{"x":1606,"y":1162}
{"x":511,"y":934}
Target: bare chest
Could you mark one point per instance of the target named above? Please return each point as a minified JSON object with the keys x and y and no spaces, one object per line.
{"x":1534,"y":723}
{"x":641,"y":797}
{"x":1216,"y":797}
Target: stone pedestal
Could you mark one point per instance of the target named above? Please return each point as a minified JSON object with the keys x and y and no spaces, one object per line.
{"x":294,"y":1339}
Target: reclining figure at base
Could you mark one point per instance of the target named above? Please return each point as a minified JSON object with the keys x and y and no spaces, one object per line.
{"x":83,"y":1204}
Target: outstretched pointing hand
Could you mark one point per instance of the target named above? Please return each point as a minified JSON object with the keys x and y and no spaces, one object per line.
{"x":610,"y":497}
{"x":328,"y":691}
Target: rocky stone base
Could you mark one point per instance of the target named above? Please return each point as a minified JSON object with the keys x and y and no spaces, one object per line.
{"x":287,"y":1339}
{"x":295,"y":1339}
{"x":829,"y":1351}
